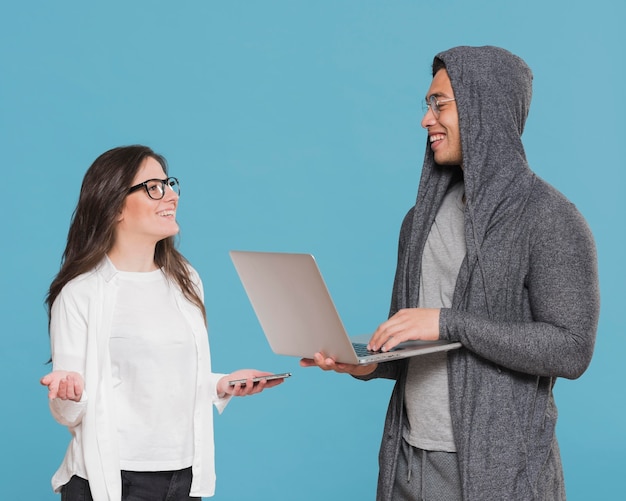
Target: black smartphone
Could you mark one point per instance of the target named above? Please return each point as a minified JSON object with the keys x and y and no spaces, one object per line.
{"x":257,"y":379}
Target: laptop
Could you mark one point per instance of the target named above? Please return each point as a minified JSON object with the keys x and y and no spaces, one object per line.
{"x":298,"y":316}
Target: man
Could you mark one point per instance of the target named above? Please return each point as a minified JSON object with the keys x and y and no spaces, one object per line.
{"x":493,"y":257}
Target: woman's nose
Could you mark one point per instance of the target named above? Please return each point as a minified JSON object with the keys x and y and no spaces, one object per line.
{"x":171,"y":193}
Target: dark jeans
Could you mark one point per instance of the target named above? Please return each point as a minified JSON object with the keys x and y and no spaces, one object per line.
{"x":138,"y":486}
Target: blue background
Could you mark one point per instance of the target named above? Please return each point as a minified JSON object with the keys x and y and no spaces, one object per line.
{"x":293,"y":126}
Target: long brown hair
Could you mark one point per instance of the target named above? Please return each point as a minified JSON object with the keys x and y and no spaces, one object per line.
{"x":92,"y":229}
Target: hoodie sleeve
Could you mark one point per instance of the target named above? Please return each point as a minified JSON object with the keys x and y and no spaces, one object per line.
{"x":555,"y":335}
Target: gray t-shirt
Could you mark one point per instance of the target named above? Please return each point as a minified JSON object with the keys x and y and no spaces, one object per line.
{"x":426,"y":391}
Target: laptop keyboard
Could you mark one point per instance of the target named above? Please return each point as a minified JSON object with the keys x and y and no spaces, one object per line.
{"x":361,"y":350}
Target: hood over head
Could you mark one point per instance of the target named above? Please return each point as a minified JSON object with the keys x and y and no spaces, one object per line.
{"x":493,"y":90}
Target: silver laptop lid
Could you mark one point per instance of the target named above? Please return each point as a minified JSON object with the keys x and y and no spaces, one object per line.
{"x":293,"y":305}
{"x":297,"y":314}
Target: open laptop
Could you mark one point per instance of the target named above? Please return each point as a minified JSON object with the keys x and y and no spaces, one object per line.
{"x":298,"y":316}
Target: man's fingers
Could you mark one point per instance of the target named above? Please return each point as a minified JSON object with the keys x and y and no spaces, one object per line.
{"x":307,"y":362}
{"x":383,"y":340}
{"x":392,"y":341}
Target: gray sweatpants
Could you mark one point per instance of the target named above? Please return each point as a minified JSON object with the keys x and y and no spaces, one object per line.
{"x":426,"y":475}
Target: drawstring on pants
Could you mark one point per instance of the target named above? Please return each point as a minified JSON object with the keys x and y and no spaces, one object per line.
{"x":422,"y":466}
{"x":410,"y":464}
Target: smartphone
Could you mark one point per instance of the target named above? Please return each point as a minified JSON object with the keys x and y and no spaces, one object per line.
{"x":257,"y":379}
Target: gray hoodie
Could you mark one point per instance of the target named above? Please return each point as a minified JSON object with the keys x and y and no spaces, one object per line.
{"x":526,"y":301}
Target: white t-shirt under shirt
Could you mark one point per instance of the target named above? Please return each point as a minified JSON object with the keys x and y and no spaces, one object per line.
{"x":153,"y":362}
{"x":426,"y":391}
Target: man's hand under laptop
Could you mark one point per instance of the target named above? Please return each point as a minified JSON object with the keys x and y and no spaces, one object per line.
{"x":328,"y":364}
{"x":407,"y":324}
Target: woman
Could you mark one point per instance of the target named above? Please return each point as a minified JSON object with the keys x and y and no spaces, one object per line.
{"x":131,"y":372}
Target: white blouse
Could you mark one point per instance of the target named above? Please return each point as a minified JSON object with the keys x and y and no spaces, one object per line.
{"x":80,"y":334}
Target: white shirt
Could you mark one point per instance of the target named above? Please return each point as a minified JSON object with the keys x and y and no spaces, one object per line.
{"x":80,"y":330}
{"x":153,"y":357}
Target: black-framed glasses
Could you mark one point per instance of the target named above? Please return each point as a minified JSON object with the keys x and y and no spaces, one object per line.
{"x":433,"y":103}
{"x":155,"y":188}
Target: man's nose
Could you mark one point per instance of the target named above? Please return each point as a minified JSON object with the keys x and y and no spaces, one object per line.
{"x":429,"y":118}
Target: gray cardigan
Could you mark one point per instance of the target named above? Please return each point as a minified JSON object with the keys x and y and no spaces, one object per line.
{"x":526,"y":302}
